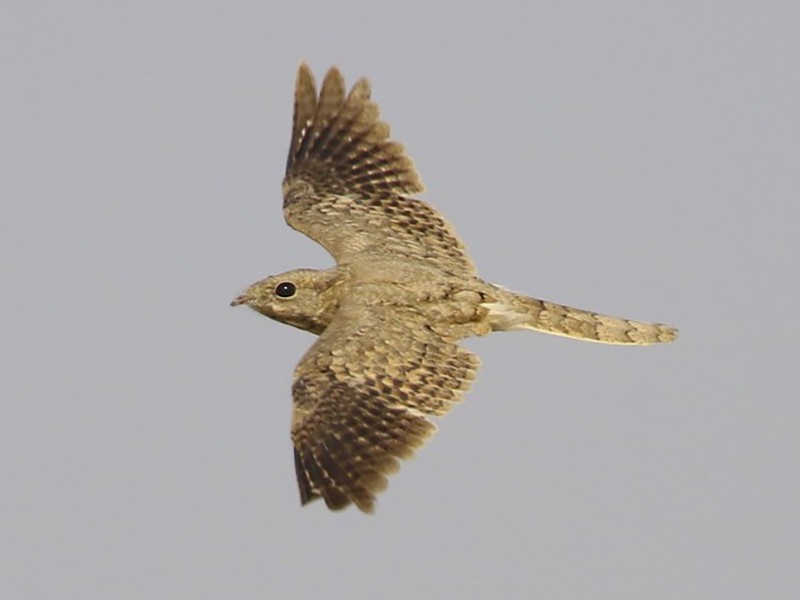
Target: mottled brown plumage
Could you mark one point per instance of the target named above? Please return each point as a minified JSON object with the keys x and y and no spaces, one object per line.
{"x":390,"y":314}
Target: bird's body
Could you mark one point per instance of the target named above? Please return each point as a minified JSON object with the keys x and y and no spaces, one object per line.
{"x":390,"y":314}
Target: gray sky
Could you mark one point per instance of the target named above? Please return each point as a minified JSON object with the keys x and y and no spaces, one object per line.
{"x":634,"y":158}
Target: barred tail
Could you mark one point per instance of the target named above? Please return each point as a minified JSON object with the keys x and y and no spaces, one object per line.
{"x":515,"y":311}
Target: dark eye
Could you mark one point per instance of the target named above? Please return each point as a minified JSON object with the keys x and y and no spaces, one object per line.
{"x":285,"y":289}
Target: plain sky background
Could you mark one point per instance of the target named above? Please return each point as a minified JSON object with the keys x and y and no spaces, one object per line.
{"x":635,"y":158}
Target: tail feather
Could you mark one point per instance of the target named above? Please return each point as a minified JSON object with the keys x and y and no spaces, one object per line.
{"x":515,"y":311}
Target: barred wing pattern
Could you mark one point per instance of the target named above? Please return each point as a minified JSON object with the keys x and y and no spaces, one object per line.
{"x":362,"y":395}
{"x":349,"y":187}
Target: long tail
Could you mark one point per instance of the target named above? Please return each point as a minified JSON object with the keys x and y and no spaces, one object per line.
{"x":515,"y":311}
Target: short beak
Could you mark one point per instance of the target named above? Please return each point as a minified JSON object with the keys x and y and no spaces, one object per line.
{"x":239,"y":300}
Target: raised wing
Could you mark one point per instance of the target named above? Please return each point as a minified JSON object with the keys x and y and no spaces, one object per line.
{"x":362,"y":394}
{"x":349,"y":187}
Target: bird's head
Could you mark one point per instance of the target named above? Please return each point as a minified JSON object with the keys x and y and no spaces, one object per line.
{"x":303,"y":298}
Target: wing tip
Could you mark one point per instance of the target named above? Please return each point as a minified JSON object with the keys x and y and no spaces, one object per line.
{"x":339,"y":135}
{"x":336,"y":496}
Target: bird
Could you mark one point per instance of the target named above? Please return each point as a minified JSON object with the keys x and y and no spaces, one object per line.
{"x":390,"y":314}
